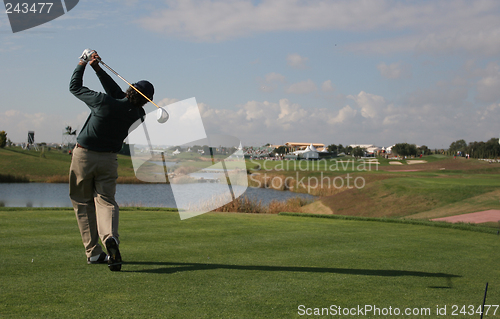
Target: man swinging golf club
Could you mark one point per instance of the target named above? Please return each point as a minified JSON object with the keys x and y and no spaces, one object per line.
{"x":94,"y":166}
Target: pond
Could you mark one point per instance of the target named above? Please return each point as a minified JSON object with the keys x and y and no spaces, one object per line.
{"x":146,"y":195}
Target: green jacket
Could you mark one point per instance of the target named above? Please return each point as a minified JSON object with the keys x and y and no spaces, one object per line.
{"x":111,"y":114}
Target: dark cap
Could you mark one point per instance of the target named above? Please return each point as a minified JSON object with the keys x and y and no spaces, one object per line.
{"x":146,"y":88}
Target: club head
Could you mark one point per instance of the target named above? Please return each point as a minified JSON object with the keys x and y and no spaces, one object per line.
{"x":161,"y":115}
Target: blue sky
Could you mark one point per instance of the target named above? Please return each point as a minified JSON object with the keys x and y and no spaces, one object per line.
{"x":381,"y":72}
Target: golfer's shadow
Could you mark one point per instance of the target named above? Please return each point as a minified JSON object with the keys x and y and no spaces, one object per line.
{"x":173,"y":267}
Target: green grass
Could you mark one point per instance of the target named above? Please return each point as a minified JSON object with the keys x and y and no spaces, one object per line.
{"x":404,"y":194}
{"x":428,"y":193}
{"x":482,"y":202}
{"x":31,"y":165}
{"x":239,"y":266}
{"x":492,"y":228}
{"x":18,"y":162}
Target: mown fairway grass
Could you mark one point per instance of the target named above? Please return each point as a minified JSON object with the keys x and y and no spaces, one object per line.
{"x":239,"y":266}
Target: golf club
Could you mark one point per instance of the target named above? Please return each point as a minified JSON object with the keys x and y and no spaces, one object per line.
{"x":161,"y":115}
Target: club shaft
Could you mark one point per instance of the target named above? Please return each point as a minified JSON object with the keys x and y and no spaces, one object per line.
{"x":121,"y":77}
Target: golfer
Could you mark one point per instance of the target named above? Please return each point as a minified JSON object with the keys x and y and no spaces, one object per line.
{"x":94,"y":166}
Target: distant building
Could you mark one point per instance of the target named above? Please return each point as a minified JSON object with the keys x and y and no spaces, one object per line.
{"x":310,"y":153}
{"x":369,"y":148}
{"x":302,"y":146}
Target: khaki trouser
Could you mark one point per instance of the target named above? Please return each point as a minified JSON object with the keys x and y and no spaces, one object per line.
{"x":92,"y":187}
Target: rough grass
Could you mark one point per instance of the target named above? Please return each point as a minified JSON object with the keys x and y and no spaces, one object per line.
{"x":409,"y":195}
{"x":473,"y":204}
{"x":8,"y":178}
{"x":222,"y":265}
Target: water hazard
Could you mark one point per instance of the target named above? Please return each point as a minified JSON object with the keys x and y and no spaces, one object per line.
{"x":146,"y":195}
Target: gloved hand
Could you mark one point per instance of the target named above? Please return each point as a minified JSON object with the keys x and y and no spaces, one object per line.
{"x":87,"y":55}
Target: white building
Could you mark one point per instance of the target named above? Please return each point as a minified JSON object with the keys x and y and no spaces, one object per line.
{"x":309,"y":153}
{"x":370,"y":148}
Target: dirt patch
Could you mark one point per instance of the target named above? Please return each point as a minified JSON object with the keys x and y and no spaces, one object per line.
{"x":316,"y":208}
{"x":492,"y":215}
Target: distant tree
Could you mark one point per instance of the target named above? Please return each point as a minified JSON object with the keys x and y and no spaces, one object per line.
{"x":399,"y":149}
{"x":332,"y":148}
{"x":358,"y":152}
{"x":404,"y":149}
{"x":348,"y":150}
{"x":3,"y":139}
{"x":457,"y":146}
{"x":412,"y":149}
{"x":489,"y":149}
{"x":424,"y":150}
{"x":195,"y":148}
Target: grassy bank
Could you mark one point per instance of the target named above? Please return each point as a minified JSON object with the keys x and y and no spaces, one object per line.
{"x":50,"y":166}
{"x":240,"y":266}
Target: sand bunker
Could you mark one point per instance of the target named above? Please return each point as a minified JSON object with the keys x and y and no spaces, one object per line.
{"x":491,"y":215}
{"x":416,"y":161}
{"x":395,"y":163}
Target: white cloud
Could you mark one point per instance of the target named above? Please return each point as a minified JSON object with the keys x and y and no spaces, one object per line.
{"x":394,"y":70}
{"x":327,"y":86}
{"x":345,"y":114}
{"x":488,"y":89}
{"x":394,"y":119}
{"x":166,"y":101}
{"x":275,"y":77}
{"x":303,"y":87}
{"x":296,"y":61}
{"x":485,"y":80}
{"x":270,"y":82}
{"x":490,"y":110}
{"x":264,"y":120}
{"x":371,"y":105}
{"x":438,"y":27}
